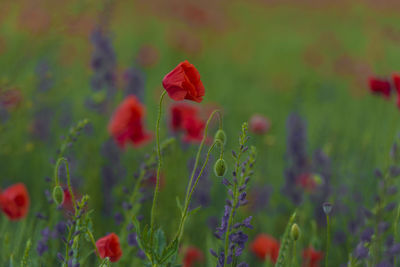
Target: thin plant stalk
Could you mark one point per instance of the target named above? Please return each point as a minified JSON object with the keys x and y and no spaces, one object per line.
{"x":328,"y":239}
{"x":155,"y":197}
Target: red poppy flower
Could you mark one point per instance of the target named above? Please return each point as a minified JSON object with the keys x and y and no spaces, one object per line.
{"x":259,"y":124}
{"x":265,"y":245}
{"x":192,"y":255}
{"x":127,"y":123}
{"x":194,"y":129}
{"x":179,"y":112}
{"x":14,"y":201}
{"x":307,"y":182}
{"x":396,"y":81}
{"x":311,"y":257}
{"x":380,"y":86}
{"x":109,"y":246}
{"x":184,"y":82}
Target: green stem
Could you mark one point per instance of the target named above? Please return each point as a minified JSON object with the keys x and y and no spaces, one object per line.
{"x":190,"y":188}
{"x":201,"y":148}
{"x":93,"y":241}
{"x":184,"y":214}
{"x":294,"y":256}
{"x":158,"y":167}
{"x":129,"y":214}
{"x":328,"y":241}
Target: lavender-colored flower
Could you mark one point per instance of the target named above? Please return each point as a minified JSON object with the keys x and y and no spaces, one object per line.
{"x":384,"y":263}
{"x":383,"y":227}
{"x":296,"y":155}
{"x":361,"y":252}
{"x":42,"y":247}
{"x":134,"y":79}
{"x":132,"y":239}
{"x":394,"y":249}
{"x":259,"y":197}
{"x":4,"y":115}
{"x":201,"y":196}
{"x":394,"y":171}
{"x":119,"y":218}
{"x":229,"y":230}
{"x":112,"y":172}
{"x":366,"y":235}
{"x":41,"y":125}
{"x":43,"y":73}
{"x":103,"y":63}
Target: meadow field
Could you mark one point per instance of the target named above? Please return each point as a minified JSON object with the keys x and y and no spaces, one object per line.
{"x":199,"y":133}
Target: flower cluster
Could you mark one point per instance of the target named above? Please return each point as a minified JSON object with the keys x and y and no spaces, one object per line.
{"x":377,"y":246}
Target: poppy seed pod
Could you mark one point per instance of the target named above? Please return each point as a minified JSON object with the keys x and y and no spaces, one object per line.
{"x":221,"y":136}
{"x":220,"y":168}
{"x":327,"y":207}
{"x":58,"y":195}
{"x":295,"y":232}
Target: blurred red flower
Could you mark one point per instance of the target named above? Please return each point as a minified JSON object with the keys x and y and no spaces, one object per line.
{"x":192,"y":255}
{"x":311,"y":257}
{"x":127,"y":123}
{"x":152,"y":180}
{"x":67,"y":203}
{"x":194,"y":129}
{"x":259,"y":124}
{"x":10,"y":98}
{"x":148,"y":56}
{"x":265,"y":245}
{"x":380,"y":86}
{"x":307,"y":182}
{"x":14,"y":201}
{"x":109,"y":246}
{"x":179,"y":112}
{"x":396,"y":82}
{"x":184,"y":82}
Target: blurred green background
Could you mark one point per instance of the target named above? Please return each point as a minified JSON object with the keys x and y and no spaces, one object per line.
{"x":266,"y":57}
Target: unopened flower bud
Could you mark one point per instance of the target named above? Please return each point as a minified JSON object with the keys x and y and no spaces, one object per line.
{"x":58,"y":195}
{"x":327,"y":207}
{"x":221,"y":136}
{"x":295,"y":232}
{"x":220,"y":168}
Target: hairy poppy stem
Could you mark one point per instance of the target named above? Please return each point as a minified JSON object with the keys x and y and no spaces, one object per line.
{"x":190,"y":188}
{"x":158,"y":167}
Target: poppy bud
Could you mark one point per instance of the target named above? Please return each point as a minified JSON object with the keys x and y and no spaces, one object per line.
{"x":221,"y":136}
{"x":220,"y":168}
{"x":295,"y":232}
{"x":58,"y":195}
